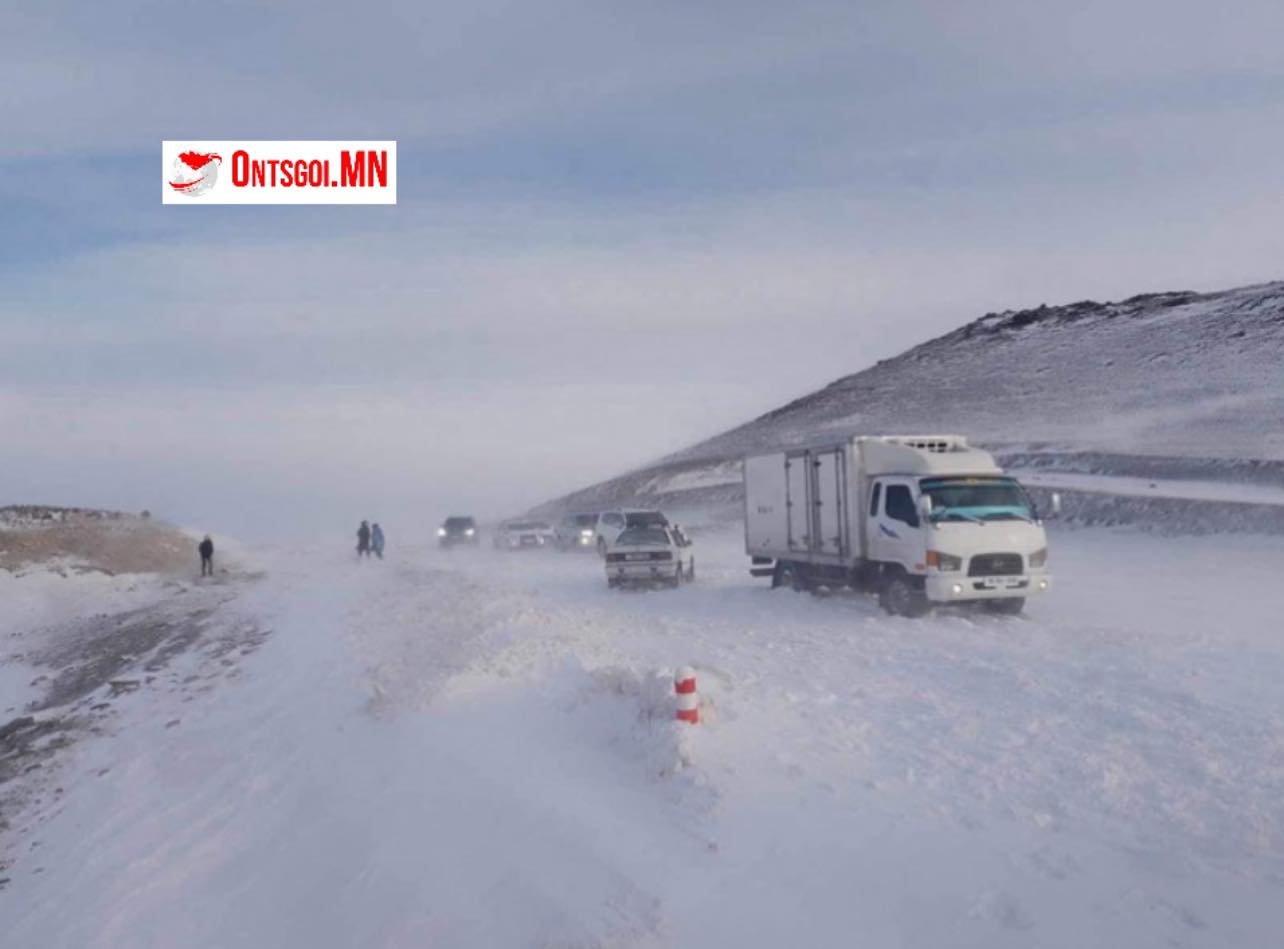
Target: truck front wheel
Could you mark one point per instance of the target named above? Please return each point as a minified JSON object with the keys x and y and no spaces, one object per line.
{"x":788,"y":577}
{"x":900,"y":597}
{"x":1008,"y":606}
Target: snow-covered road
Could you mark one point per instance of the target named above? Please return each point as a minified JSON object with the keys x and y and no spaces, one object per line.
{"x":467,"y":750}
{"x":1220,"y":491}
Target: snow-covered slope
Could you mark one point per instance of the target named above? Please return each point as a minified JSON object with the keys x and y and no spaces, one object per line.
{"x":1181,"y":385}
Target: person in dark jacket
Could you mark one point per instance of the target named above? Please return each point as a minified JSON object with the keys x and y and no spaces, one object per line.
{"x":206,"y":547}
{"x":376,"y":540}
{"x":363,"y":540}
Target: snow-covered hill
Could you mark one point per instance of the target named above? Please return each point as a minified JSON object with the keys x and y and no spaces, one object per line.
{"x":1169,"y":385}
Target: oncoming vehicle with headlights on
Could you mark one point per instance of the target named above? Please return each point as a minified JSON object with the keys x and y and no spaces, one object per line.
{"x":650,"y":556}
{"x":457,"y":530}
{"x":577,"y":532}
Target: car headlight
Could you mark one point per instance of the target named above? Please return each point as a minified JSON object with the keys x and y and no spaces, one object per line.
{"x":441,"y":532}
{"x":946,"y":563}
{"x":1039,"y":557}
{"x":586,"y":533}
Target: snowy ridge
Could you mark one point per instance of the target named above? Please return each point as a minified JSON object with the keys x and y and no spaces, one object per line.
{"x":1173,"y":385}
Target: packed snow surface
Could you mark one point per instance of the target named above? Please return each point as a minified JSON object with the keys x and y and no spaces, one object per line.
{"x":1155,"y":488}
{"x":476,"y":749}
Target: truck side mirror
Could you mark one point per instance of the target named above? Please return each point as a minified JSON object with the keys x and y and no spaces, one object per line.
{"x":925,"y":507}
{"x":1056,"y":502}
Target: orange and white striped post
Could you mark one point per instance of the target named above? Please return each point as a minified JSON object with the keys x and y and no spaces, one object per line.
{"x":684,"y":686}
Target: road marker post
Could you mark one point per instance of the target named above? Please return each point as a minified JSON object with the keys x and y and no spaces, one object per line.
{"x":684,"y":686}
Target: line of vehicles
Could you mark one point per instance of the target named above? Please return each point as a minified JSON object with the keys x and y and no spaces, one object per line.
{"x":638,"y":546}
{"x":919,"y":520}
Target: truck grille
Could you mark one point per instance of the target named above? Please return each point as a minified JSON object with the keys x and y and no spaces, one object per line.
{"x":995,"y":565}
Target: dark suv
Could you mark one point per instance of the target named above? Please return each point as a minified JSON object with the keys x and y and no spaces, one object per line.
{"x":457,"y":529}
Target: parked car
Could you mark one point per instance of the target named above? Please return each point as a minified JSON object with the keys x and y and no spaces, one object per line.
{"x":650,"y":555}
{"x":577,"y":532}
{"x":524,"y":535}
{"x":456,"y":530}
{"x":611,"y":523}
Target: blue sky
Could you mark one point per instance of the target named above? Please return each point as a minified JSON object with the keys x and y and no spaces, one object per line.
{"x":621,"y":227}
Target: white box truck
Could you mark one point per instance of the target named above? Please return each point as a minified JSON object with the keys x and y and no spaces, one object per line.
{"x":919,"y":519}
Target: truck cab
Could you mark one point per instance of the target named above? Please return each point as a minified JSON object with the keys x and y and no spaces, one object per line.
{"x":953,"y":538}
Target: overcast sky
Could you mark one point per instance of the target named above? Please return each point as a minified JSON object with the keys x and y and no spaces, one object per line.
{"x":621,"y":227}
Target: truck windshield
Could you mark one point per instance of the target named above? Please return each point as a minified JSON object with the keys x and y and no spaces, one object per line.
{"x":977,"y":499}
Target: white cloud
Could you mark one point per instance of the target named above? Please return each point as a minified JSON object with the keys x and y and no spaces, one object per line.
{"x":621,"y":229}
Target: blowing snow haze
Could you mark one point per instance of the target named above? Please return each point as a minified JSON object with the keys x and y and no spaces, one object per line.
{"x":1004,"y":672}
{"x":616,"y":234}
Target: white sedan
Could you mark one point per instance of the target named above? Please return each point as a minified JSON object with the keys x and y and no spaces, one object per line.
{"x":650,"y":555}
{"x":524,"y":535}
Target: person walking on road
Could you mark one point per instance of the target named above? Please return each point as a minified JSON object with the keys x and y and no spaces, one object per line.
{"x":206,"y":548}
{"x":363,"y":540}
{"x":376,"y":540}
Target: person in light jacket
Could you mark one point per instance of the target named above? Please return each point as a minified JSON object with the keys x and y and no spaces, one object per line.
{"x":376,"y":540}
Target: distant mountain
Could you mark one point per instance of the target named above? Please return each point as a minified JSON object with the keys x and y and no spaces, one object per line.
{"x":1174,"y":385}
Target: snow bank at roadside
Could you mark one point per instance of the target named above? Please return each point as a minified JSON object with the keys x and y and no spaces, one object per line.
{"x":654,"y":738}
{"x":61,"y":591}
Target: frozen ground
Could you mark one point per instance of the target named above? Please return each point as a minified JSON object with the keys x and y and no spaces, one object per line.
{"x":468,"y":750}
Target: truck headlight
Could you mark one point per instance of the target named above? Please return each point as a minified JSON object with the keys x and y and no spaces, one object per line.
{"x":586,"y":533}
{"x":1039,"y":557}
{"x":441,"y":532}
{"x":946,"y":563}
{"x":469,"y":532}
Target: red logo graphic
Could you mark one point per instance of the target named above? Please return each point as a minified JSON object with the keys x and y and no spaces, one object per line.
{"x":194,"y":173}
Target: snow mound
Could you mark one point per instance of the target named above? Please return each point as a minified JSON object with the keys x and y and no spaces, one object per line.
{"x":659,"y":741}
